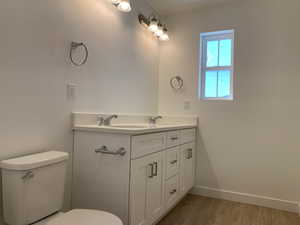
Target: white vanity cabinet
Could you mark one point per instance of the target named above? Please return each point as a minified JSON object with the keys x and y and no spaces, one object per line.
{"x":144,"y":178}
{"x":146,"y":191}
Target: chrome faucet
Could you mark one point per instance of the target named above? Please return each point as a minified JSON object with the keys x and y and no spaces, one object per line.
{"x":106,"y":121}
{"x":153,"y":119}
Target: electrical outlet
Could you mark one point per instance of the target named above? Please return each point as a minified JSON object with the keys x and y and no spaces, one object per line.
{"x":71,"y":91}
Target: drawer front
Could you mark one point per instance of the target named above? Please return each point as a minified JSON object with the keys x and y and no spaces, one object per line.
{"x":188,"y":135}
{"x":173,"y":138}
{"x":172,"y":162}
{"x":172,"y":192}
{"x":147,"y":144}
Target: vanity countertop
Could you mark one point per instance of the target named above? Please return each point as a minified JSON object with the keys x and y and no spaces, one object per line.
{"x":132,"y":124}
{"x":133,"y":129}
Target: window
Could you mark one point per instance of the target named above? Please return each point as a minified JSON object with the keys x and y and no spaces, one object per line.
{"x":216,"y":67}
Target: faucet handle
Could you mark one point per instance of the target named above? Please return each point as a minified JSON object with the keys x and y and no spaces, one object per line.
{"x":107,"y":120}
{"x":100,"y":120}
{"x":154,"y":118}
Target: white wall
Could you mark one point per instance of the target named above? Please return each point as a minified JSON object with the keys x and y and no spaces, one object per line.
{"x":121,"y":74}
{"x":251,"y":144}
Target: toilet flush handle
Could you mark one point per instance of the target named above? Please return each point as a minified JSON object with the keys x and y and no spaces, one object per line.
{"x":28,"y":175}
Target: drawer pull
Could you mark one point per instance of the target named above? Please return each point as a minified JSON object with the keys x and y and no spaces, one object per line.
{"x":174,"y":161}
{"x":105,"y":150}
{"x":189,"y":153}
{"x":174,"y":138}
{"x":155,"y":166}
{"x":151,"y":175}
{"x":173,"y":191}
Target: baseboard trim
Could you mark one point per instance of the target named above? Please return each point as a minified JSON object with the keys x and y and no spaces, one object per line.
{"x":290,"y":206}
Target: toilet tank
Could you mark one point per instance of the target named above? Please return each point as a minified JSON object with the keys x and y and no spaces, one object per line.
{"x":33,"y":186}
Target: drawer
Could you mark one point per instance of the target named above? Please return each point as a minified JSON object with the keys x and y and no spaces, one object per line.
{"x":188,"y":135}
{"x":147,"y":144}
{"x":173,"y":138}
{"x":172,"y":192}
{"x":172,"y":162}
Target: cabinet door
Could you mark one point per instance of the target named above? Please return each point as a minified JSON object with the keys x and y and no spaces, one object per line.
{"x":155,"y":191}
{"x":187,"y":167}
{"x":146,"y":192}
{"x":140,"y":171}
{"x":101,"y":181}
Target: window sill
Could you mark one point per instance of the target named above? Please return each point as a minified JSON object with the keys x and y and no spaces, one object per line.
{"x":217,"y":99}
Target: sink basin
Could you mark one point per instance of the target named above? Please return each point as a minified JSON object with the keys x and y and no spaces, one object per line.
{"x":130,"y":126}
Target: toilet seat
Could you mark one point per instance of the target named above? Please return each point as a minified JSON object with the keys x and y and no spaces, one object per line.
{"x":86,"y":217}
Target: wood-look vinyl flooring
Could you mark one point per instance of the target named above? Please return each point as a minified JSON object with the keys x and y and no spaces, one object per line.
{"x":198,"y":210}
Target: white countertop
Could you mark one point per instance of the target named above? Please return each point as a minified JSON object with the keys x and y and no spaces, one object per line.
{"x":132,"y":124}
{"x":133,"y":130}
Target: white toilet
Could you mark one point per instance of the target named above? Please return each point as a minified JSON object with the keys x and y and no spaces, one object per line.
{"x":33,"y":192}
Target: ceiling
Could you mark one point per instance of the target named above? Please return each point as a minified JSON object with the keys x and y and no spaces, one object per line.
{"x":165,"y":7}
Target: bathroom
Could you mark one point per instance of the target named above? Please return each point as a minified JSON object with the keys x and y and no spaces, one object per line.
{"x":246,"y":147}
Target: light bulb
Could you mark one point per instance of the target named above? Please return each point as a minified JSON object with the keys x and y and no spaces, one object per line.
{"x":159,"y":31}
{"x":153,"y":26}
{"x":124,"y":6}
{"x":164,"y":36}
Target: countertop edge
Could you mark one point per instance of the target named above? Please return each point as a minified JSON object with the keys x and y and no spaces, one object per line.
{"x":132,"y":132}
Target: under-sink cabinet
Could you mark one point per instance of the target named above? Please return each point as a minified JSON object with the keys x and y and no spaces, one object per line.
{"x":137,"y":177}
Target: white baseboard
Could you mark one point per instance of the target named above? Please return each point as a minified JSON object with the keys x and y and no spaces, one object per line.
{"x":291,"y":206}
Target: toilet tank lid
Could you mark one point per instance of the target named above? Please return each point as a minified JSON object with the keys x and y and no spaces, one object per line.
{"x":34,"y":160}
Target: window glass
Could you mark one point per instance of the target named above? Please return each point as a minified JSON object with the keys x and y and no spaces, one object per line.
{"x":211,"y":80}
{"x":225,"y":52}
{"x":223,"y":83}
{"x":212,"y":53}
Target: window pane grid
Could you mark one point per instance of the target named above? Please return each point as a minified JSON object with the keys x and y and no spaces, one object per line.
{"x":217,"y":84}
{"x":217,"y":65}
{"x":218,"y":52}
{"x":218,"y":68}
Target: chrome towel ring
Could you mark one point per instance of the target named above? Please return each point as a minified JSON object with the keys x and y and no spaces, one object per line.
{"x":176,"y":83}
{"x":75,"y":45}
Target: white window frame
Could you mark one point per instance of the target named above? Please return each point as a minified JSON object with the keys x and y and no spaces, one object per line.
{"x":217,"y":35}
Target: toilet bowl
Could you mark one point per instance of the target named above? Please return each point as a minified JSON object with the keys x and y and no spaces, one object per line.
{"x":81,"y":217}
{"x":33,"y":192}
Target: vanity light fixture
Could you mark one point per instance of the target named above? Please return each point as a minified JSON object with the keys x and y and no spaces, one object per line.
{"x":155,"y":26}
{"x":122,"y":5}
